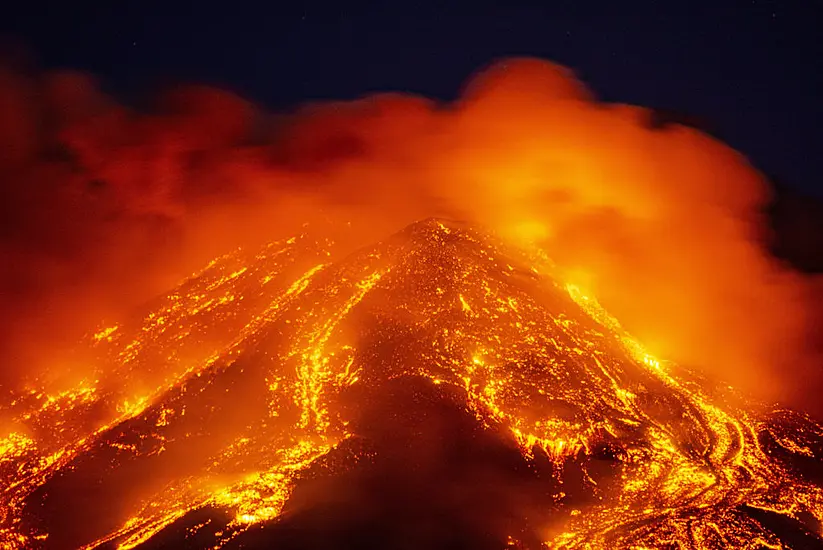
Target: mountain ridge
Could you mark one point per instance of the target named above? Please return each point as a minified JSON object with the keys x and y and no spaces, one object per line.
{"x":436,"y":370}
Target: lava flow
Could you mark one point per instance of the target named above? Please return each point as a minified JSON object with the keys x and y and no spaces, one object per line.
{"x":438,"y":389}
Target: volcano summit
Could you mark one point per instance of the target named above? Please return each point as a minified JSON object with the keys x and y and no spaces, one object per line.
{"x":438,"y":389}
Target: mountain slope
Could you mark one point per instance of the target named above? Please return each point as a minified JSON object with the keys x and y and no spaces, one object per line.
{"x":436,"y":389}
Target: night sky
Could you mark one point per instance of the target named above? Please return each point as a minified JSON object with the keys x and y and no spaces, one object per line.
{"x":752,"y":70}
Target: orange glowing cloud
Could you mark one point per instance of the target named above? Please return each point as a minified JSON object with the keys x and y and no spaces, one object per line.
{"x":107,"y":206}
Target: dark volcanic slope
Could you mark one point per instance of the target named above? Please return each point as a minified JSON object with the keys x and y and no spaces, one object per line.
{"x":435,"y":390}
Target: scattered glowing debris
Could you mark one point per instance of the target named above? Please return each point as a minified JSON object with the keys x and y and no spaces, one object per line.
{"x":105,"y":333}
{"x":557,"y":388}
{"x":132,"y":407}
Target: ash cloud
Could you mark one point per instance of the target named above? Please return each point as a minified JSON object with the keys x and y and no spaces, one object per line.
{"x":104,"y":205}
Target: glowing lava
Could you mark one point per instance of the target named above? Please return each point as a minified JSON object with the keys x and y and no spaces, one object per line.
{"x":215,"y":405}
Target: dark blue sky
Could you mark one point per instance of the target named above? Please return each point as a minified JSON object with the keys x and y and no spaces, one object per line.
{"x":752,"y":69}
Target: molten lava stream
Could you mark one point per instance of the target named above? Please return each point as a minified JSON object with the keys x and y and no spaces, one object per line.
{"x":439,"y":362}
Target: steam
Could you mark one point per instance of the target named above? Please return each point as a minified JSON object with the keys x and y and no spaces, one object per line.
{"x":104,"y":206}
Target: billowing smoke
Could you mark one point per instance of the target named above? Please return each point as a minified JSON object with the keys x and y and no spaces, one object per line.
{"x":104,"y":206}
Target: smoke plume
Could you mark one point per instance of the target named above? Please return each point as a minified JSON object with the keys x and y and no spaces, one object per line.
{"x":104,"y":206}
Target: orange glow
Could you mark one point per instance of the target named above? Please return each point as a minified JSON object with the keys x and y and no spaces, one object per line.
{"x":666,"y":224}
{"x":481,"y":328}
{"x":604,"y":310}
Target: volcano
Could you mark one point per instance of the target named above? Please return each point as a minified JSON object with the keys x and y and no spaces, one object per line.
{"x":439,"y":389}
